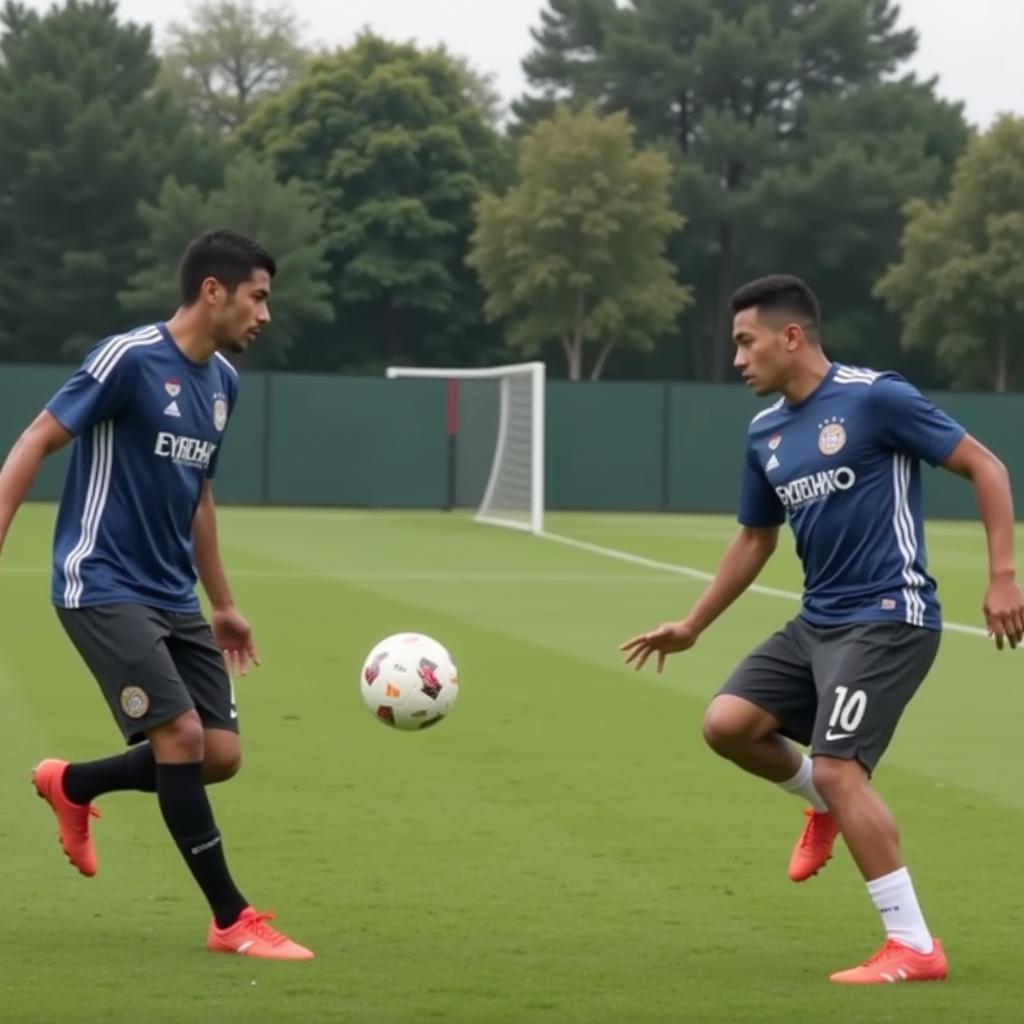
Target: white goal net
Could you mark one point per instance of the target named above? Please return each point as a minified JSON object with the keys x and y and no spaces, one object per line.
{"x":514,"y":398}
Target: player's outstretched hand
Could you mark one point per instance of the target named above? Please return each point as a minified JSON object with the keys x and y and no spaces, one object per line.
{"x":668,"y":638}
{"x":1004,"y":612}
{"x":234,"y":635}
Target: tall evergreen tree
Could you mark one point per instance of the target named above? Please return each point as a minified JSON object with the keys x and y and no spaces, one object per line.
{"x":83,"y":138}
{"x":756,"y":97}
{"x":283,"y":217}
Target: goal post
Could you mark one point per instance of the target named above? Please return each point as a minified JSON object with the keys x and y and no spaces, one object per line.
{"x":514,"y":493}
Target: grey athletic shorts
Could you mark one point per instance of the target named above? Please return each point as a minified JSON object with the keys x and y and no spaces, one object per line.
{"x":152,"y":665}
{"x":839,"y":690}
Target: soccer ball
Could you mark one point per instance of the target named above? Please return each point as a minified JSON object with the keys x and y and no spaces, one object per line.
{"x":409,"y":681}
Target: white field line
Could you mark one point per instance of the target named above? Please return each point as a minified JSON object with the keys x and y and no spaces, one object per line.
{"x":699,"y":574}
{"x":413,"y":576}
{"x":482,"y":577}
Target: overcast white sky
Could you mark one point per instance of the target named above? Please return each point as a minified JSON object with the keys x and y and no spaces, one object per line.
{"x":972,"y":45}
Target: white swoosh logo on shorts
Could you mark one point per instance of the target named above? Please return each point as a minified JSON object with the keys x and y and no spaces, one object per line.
{"x":830,"y":735}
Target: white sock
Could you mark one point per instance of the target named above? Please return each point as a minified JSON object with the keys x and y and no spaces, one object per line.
{"x":894,"y":896}
{"x":802,"y":785}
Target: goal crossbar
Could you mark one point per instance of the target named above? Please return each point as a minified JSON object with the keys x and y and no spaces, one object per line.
{"x":465,"y":372}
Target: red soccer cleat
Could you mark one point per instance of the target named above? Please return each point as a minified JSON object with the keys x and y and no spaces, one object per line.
{"x":250,"y":935}
{"x":72,"y":818}
{"x":895,"y":962}
{"x":814,"y":850}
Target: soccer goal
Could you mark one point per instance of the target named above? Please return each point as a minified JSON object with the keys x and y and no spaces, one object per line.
{"x":514,"y":492}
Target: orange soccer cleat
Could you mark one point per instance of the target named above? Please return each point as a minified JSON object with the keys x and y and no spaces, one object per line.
{"x":814,"y":850}
{"x":895,"y":962}
{"x":250,"y":935}
{"x":72,"y":818}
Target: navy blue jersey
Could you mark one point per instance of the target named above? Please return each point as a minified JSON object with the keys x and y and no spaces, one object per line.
{"x":148,"y":424}
{"x":844,"y":467}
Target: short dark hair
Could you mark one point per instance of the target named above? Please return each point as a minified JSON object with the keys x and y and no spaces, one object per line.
{"x":781,"y":293}
{"x":227,"y":255}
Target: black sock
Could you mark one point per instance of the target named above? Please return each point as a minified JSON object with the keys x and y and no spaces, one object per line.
{"x":135,"y":769}
{"x":189,"y":818}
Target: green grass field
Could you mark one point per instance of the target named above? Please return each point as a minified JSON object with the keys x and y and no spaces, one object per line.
{"x":563,"y":849}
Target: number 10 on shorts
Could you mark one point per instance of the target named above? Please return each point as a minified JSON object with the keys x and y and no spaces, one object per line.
{"x":849,"y":709}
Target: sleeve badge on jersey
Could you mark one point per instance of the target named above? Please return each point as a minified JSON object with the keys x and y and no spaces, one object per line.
{"x":220,"y":413}
{"x":134,"y":701}
{"x":832,"y":438}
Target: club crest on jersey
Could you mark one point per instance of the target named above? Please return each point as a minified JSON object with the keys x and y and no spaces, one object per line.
{"x":774,"y":442}
{"x":832,"y":437}
{"x":173,"y":388}
{"x":220,"y":413}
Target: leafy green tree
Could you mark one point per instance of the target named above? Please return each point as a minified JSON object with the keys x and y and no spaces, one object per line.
{"x":574,"y":253}
{"x":230,"y":56}
{"x":960,"y":283}
{"x":84,"y":137}
{"x":397,"y":153}
{"x":282,"y":216}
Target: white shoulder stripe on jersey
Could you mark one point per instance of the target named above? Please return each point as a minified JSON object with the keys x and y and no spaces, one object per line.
{"x":92,"y":511}
{"x":117,"y":341}
{"x":765,"y":412}
{"x":108,"y":368}
{"x":844,"y":368}
{"x":105,"y":360}
{"x":115,"y":357}
{"x":855,"y":375}
{"x":112,"y":343}
{"x":226,"y":362}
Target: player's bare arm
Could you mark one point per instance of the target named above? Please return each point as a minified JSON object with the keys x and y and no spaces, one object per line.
{"x":743,"y":561}
{"x":1004,"y":600}
{"x":230,"y":627}
{"x":43,"y":436}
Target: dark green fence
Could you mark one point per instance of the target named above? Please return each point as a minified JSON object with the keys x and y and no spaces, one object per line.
{"x":320,"y":440}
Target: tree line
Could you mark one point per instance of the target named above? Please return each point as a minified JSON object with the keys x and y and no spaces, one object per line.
{"x":666,"y":151}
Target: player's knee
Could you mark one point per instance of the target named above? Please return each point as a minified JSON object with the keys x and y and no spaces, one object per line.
{"x":222,"y":766}
{"x":835,"y":778}
{"x":180,"y":740}
{"x":723,"y":733}
{"x":730,"y":724}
